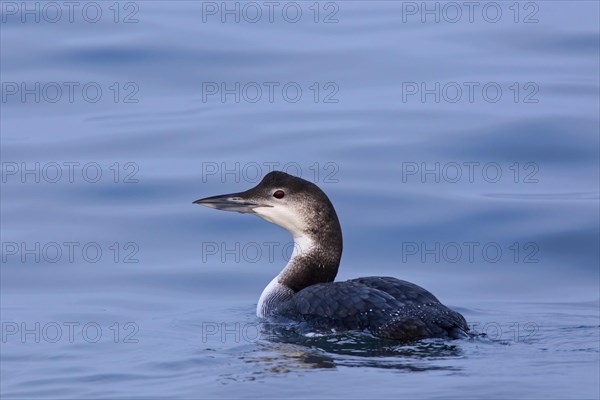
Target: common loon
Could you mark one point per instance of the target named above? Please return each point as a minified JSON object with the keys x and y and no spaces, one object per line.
{"x":305,"y":291}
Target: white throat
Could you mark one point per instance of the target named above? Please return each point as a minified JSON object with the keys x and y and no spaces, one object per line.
{"x":275,"y":292}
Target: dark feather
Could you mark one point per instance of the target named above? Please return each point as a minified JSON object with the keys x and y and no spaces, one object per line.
{"x":386,"y":307}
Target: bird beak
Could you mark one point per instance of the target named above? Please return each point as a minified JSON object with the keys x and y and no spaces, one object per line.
{"x":230,"y":202}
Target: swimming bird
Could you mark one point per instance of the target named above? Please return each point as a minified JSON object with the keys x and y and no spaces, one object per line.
{"x":305,"y":292}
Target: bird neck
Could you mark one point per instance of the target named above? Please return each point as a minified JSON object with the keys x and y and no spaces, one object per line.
{"x":315,"y":259}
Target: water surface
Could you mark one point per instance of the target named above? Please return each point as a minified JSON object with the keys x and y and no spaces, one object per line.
{"x":462,"y":156}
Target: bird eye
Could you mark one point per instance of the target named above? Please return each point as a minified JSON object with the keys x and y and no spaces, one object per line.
{"x":279,"y":194}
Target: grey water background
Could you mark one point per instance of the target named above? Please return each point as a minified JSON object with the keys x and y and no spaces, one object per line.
{"x":489,"y":201}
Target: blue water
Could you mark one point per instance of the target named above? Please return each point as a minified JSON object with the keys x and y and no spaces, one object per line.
{"x":461,"y":154}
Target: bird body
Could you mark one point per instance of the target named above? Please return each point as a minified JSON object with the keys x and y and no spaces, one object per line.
{"x":304,"y":292}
